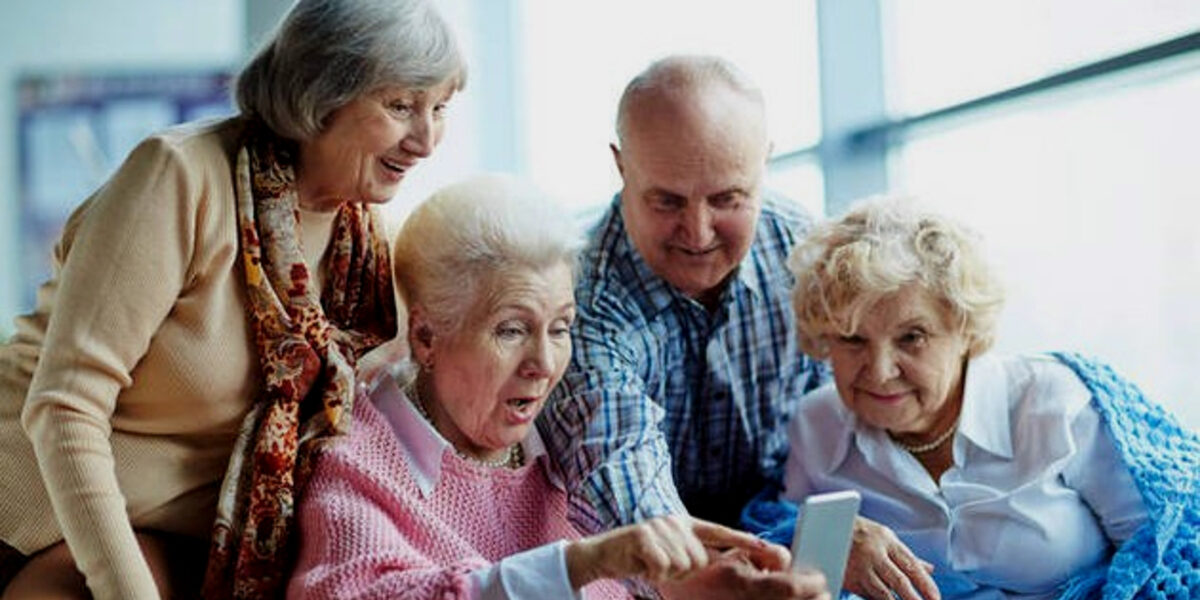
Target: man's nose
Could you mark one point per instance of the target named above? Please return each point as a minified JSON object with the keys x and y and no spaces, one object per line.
{"x":696,"y":225}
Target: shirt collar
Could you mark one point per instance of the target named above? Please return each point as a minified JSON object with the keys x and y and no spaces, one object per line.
{"x":748,"y":274}
{"x":841,"y":420}
{"x":425,"y":447}
{"x":984,"y":418}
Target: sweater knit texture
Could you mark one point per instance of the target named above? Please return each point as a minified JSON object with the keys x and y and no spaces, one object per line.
{"x":368,"y":531}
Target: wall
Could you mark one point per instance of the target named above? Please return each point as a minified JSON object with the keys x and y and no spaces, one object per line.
{"x":60,"y":36}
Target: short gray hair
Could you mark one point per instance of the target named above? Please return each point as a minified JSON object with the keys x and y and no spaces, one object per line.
{"x":453,"y":246}
{"x":679,"y":76}
{"x":326,"y":53}
{"x":882,"y":244}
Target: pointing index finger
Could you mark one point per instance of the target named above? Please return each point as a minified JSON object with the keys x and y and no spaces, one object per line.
{"x":762,"y":553}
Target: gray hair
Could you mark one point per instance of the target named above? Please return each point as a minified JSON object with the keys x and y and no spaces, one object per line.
{"x":326,"y":53}
{"x":455,"y":245}
{"x":882,"y":244}
{"x":680,"y":77}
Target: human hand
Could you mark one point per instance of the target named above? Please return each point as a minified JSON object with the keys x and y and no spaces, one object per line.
{"x":734,"y":574}
{"x":663,"y":548}
{"x":880,"y":565}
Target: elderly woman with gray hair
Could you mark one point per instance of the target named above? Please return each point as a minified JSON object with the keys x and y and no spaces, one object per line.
{"x":443,"y":488}
{"x":206,"y":314}
{"x":1034,"y":476}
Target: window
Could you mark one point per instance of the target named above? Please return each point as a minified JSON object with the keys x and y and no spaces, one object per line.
{"x":577,"y":57}
{"x":947,"y":51}
{"x":1086,"y":195}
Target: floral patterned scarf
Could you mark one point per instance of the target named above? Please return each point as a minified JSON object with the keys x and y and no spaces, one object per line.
{"x":307,"y":349}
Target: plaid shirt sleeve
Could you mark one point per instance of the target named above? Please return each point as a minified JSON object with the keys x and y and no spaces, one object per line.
{"x":604,"y":431}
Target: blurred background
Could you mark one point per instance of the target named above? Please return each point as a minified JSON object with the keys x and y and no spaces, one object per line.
{"x":1066,"y":131}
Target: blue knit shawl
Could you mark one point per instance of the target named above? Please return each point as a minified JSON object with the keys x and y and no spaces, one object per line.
{"x":1162,"y":558}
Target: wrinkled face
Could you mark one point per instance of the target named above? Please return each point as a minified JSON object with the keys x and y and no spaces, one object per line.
{"x":903,"y":369}
{"x":367,"y":146}
{"x":492,"y":378}
{"x":691,"y":194}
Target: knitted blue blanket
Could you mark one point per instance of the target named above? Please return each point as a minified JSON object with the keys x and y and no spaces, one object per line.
{"x":1162,"y":559}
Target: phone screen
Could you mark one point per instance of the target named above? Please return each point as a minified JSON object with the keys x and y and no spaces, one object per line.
{"x":822,"y":539}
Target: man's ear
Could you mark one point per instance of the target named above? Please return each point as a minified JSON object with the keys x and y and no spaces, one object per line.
{"x":616,"y":152}
{"x":420,"y":335}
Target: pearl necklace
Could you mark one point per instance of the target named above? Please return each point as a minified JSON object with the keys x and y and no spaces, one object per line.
{"x":923,"y":448}
{"x":515,"y":457}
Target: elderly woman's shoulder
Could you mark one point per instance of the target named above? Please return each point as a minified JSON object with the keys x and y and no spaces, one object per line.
{"x":820,"y":426}
{"x":367,"y":447}
{"x":193,"y":143}
{"x":1041,"y":382}
{"x":192,"y":164}
{"x":198,"y":137}
{"x":823,"y":406}
{"x":370,"y":421}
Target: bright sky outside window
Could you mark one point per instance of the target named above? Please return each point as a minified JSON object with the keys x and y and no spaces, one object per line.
{"x":1088,"y":200}
{"x":578,"y":56}
{"x":942,"y":52}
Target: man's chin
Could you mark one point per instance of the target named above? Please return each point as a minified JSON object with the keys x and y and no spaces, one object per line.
{"x":697,"y":288}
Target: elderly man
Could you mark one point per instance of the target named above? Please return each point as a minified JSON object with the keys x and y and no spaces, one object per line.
{"x":686,"y":365}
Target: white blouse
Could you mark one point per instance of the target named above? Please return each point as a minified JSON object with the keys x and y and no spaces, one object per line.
{"x":1036,"y":492}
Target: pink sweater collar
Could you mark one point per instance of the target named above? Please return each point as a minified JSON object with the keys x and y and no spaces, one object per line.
{"x":424,"y":446}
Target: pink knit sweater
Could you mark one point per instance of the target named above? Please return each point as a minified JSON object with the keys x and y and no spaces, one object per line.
{"x":369,"y":531}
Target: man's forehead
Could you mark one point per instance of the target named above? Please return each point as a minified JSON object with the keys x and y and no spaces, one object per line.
{"x":697,"y":170}
{"x":696,"y":192}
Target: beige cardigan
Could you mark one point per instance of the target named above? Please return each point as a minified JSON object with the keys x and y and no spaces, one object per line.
{"x":133,"y":373}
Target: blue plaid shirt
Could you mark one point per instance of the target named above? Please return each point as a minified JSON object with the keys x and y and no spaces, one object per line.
{"x":666,"y":405}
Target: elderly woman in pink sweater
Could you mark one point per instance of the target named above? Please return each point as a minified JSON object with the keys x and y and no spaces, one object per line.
{"x":443,"y":488}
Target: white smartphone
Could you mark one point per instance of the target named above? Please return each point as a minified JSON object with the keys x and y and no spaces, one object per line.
{"x":822,"y":539}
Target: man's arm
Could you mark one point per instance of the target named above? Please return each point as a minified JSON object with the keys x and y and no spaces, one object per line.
{"x":604,"y":431}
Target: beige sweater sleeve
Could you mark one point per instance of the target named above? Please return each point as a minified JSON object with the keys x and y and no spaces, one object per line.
{"x":127,"y":252}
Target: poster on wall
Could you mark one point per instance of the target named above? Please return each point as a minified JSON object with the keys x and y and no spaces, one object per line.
{"x":74,"y":130}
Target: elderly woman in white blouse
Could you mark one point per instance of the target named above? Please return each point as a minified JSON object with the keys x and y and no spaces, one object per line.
{"x":1000,"y":471}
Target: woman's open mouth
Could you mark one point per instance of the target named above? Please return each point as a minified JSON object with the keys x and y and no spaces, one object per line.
{"x":522,"y":410}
